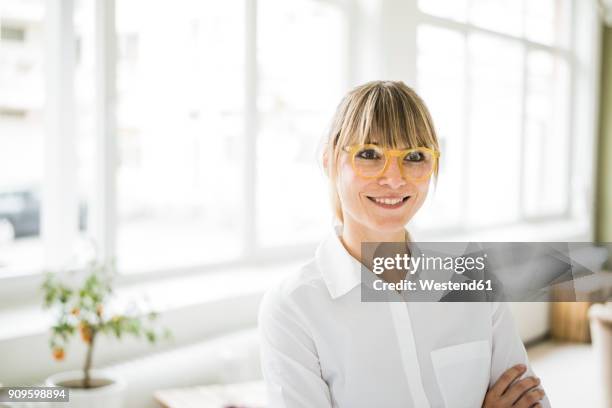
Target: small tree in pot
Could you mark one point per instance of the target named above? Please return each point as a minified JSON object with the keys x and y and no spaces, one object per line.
{"x":82,"y":309}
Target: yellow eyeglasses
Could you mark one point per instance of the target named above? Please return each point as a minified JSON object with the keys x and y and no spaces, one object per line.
{"x":372,"y":161}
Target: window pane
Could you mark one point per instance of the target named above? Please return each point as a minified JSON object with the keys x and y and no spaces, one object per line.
{"x":84,"y":113}
{"x":494,"y":146}
{"x":180,"y":100}
{"x":300,"y":83}
{"x":547,"y":21}
{"x":453,"y":9}
{"x":441,"y":83}
{"x":21,"y":134}
{"x":547,"y":136}
{"x":498,"y":15}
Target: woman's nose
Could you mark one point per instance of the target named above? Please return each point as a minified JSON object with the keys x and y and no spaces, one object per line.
{"x":393,"y":176}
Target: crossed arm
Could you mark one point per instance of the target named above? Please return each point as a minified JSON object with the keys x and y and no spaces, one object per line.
{"x":512,"y":383}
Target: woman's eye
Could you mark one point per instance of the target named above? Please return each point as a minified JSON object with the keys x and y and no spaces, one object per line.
{"x":415,"y":157}
{"x":368,"y":154}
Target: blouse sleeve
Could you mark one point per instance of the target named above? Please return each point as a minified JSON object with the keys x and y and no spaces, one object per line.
{"x":289,"y":360}
{"x":508,"y":348}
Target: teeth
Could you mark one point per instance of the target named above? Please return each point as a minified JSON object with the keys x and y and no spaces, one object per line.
{"x":388,"y":201}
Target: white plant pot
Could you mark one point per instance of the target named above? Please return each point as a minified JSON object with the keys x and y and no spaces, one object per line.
{"x":110,"y":395}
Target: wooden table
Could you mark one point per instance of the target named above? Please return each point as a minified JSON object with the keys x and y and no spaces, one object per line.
{"x":243,"y":395}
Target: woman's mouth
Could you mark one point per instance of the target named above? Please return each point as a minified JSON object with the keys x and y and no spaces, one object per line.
{"x":389,"y":202}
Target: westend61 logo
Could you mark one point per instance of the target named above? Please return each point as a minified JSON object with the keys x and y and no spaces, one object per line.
{"x":409,"y":263}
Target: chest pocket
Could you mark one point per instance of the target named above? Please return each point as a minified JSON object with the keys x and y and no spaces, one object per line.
{"x":463,"y":371}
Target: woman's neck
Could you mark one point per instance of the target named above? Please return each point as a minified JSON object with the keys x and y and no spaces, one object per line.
{"x":354,"y":236}
{"x":352,"y":239}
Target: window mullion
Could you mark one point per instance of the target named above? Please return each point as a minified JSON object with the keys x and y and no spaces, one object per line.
{"x":467,"y":126}
{"x":103,"y":214}
{"x":571,"y":108}
{"x":59,"y":227}
{"x":523,"y":139}
{"x":250,"y":242}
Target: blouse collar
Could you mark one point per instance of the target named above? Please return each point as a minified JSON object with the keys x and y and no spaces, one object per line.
{"x":341,"y":272}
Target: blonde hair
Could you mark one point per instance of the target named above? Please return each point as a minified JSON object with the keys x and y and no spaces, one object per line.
{"x":388,"y":112}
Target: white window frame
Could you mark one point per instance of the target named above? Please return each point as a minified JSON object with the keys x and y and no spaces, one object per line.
{"x":395,"y":59}
{"x":465,"y":29}
{"x":582,"y":93}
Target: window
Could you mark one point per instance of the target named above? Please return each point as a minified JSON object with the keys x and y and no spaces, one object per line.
{"x":22,"y":94}
{"x":184,"y":147}
{"x":84,"y":80}
{"x":180,"y":133}
{"x":185,"y":155}
{"x":301,"y":74}
{"x":220,"y":106}
{"x":496,"y":75}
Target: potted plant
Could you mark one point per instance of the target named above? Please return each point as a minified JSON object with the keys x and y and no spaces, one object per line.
{"x":82,"y":310}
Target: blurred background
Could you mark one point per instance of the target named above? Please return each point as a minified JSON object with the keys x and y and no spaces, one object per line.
{"x":179,"y":140}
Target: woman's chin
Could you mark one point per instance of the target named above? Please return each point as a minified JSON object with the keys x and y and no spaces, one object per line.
{"x":390,"y":225}
{"x":389,"y":220}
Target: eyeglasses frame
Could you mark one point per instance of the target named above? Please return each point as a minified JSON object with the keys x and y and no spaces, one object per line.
{"x":389,"y":154}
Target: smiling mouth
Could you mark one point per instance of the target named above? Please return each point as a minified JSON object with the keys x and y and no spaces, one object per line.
{"x":389,"y":202}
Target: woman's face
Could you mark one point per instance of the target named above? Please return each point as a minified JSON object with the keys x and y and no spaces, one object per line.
{"x":371,"y":205}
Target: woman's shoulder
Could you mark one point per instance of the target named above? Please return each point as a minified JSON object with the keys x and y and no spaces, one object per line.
{"x":287,"y":320}
{"x":293,"y":290}
{"x":306,"y":277}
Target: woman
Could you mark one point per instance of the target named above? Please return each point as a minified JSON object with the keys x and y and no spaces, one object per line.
{"x":321,"y":346}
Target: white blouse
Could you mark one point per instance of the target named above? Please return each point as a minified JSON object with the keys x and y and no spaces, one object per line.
{"x":322,"y":347}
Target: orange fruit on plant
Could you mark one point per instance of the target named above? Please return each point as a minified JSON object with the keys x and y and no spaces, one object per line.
{"x":58,"y":353}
